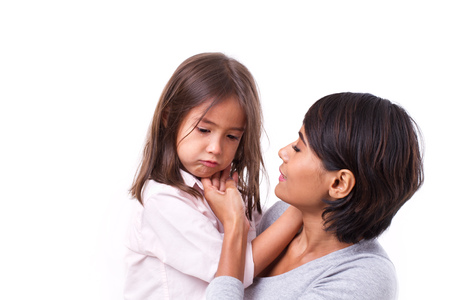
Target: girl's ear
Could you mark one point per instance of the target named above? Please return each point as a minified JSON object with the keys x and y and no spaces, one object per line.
{"x":342,"y":185}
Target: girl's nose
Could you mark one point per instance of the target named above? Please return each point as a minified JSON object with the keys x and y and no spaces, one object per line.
{"x":214,"y":147}
{"x":283,"y":154}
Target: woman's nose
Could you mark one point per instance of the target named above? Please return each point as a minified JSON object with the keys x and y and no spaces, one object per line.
{"x":283,"y":154}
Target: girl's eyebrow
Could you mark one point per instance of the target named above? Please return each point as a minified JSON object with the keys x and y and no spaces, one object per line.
{"x":205,"y":120}
{"x":302,"y":138}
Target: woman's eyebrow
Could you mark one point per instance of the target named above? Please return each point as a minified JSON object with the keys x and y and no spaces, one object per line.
{"x":300,"y":134}
{"x":205,"y":120}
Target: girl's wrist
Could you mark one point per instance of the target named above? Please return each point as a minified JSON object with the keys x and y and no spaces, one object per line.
{"x":232,"y":257}
{"x":237,"y":225}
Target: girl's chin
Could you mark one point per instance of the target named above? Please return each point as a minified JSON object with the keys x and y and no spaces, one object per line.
{"x":204,"y":173}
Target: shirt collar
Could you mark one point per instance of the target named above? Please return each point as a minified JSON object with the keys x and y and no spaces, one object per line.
{"x":191,"y":180}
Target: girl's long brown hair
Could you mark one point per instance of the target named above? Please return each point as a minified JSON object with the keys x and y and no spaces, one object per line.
{"x":200,"y":78}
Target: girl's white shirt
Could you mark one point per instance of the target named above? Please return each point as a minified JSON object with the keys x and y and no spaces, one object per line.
{"x":174,"y":243}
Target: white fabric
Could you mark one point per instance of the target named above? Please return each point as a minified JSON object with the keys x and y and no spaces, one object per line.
{"x":174,"y":244}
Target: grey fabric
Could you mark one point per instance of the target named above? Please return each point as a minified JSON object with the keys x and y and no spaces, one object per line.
{"x":361,"y":271}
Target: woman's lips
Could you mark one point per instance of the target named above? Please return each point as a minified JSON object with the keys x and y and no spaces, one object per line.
{"x":282,"y":177}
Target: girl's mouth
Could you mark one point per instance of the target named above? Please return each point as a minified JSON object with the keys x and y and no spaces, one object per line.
{"x":209,"y":163}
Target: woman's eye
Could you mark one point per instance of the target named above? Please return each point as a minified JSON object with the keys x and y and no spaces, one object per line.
{"x":296,"y":149}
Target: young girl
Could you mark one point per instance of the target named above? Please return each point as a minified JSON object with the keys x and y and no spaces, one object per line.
{"x":208,"y":119}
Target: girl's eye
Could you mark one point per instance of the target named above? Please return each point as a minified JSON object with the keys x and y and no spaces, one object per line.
{"x":203,"y":130}
{"x":296,"y":149}
{"x":233,"y":137}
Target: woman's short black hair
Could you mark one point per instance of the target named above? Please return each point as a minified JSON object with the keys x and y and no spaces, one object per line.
{"x":380,"y":144}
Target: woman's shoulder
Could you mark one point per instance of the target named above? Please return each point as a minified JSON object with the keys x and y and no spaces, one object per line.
{"x":366,"y":269}
{"x":370,"y":255}
{"x":360,"y":271}
{"x":372,"y":247}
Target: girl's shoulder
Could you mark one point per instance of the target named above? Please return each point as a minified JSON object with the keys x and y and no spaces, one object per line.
{"x":156,"y":191}
{"x":152,"y":187}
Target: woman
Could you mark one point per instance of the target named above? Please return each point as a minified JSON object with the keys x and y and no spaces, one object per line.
{"x":356,"y":162}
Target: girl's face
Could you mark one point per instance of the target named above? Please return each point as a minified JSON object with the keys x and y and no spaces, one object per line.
{"x":210,"y":146}
{"x":304,"y":181}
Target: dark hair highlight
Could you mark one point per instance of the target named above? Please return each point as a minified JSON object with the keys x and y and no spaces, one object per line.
{"x":380,"y":144}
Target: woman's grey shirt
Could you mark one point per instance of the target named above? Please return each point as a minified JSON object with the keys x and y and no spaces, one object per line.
{"x":361,"y":271}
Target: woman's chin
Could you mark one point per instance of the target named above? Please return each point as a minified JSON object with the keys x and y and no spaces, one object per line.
{"x":278,"y":191}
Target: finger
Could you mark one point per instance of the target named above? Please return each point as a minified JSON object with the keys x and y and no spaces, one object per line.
{"x":224,"y":177}
{"x":235,"y":177}
{"x":215,"y":180}
{"x":230,"y":184}
{"x":209,"y":189}
{"x":207,"y":183}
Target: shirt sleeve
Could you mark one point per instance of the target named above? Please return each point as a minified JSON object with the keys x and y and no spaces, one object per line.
{"x":225,"y":288}
{"x":183,"y":233}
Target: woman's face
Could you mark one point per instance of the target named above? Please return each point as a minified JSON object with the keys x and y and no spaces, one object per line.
{"x":303,"y":182}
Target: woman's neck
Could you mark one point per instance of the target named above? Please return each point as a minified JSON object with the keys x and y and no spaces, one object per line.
{"x":311,"y":243}
{"x":314,"y":238}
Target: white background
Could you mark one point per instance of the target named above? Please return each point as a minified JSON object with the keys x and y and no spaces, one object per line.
{"x":79,"y":81}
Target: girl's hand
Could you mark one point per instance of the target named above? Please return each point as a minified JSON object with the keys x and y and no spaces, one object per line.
{"x":225,"y":200}
{"x":219,"y":179}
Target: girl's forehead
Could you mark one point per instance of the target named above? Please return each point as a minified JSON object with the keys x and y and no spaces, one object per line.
{"x":217,"y":105}
{"x":201,"y":110}
{"x":197,"y":113}
{"x":222,"y":111}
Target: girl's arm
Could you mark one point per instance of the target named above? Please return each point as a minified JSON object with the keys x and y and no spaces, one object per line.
{"x":221,"y":194}
{"x":229,"y":208}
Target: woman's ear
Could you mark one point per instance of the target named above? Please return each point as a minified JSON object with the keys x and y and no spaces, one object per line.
{"x":342,"y":185}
